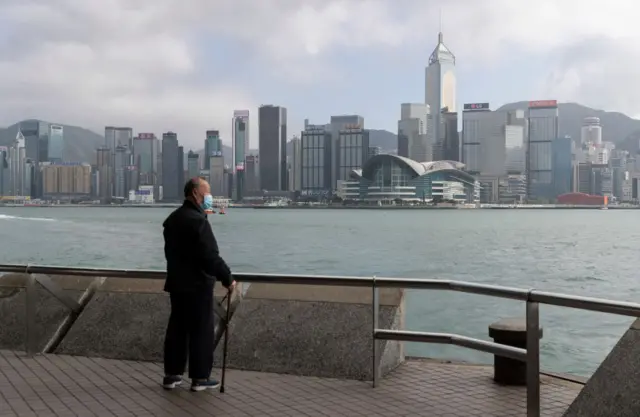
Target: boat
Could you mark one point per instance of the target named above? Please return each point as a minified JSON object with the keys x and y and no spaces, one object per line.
{"x":222,"y":211}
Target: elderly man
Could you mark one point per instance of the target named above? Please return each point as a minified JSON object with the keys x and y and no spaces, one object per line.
{"x":193,"y":265}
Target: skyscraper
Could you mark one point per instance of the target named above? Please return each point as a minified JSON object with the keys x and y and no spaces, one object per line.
{"x":272,"y":138}
{"x":212,"y":147}
{"x":316,"y":142}
{"x":413,"y":142}
{"x":36,"y":144}
{"x":295,"y":169}
{"x":56,"y":143}
{"x":105,"y":172}
{"x":120,"y":167}
{"x":181,"y":170}
{"x":192,"y":164}
{"x":591,"y":131}
{"x":447,"y":147}
{"x":145,"y":158}
{"x":171,"y":187}
{"x":562,"y":165}
{"x":240,"y":145}
{"x":483,"y":140}
{"x":120,"y":139}
{"x":440,"y":85}
{"x":118,"y":136}
{"x":338,"y":123}
{"x":5,"y":172}
{"x":353,"y":151}
{"x":252,"y":174}
{"x":543,"y":130}
{"x":17,"y":160}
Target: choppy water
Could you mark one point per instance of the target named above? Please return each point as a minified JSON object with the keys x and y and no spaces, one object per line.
{"x":589,"y":252}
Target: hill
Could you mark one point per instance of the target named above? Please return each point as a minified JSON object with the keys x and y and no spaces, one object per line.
{"x":80,"y":144}
{"x":616,"y":127}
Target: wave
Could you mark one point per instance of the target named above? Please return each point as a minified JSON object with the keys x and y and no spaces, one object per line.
{"x":583,"y":279}
{"x":37,"y":219}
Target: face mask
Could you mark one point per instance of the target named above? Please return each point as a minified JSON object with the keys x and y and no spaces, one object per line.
{"x":207,"y":203}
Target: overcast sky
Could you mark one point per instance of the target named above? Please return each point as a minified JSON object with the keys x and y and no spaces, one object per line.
{"x":185,"y":65}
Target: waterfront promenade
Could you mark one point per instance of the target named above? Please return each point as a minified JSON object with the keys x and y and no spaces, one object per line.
{"x":61,"y":385}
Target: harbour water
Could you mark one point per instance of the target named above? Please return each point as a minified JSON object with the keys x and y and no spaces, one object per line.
{"x":587,"y":252}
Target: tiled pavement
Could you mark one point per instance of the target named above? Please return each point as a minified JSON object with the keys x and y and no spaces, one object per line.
{"x":57,"y":385}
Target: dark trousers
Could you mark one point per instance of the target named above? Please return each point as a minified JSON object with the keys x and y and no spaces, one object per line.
{"x":190,"y":334}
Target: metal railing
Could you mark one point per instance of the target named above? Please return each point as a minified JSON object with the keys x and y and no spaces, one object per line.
{"x":533,"y":298}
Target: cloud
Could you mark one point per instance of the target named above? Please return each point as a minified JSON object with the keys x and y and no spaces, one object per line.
{"x":118,"y":62}
{"x":95,"y":63}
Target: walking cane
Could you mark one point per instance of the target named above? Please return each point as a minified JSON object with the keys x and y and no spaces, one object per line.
{"x":226,"y":341}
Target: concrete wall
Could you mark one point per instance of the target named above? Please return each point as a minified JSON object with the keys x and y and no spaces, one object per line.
{"x":613,"y":389}
{"x":305,"y":330}
{"x":126,"y":319}
{"x":49,"y":311}
{"x":313,"y":330}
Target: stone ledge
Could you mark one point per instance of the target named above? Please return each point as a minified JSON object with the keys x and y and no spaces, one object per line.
{"x":49,"y":315}
{"x":318,"y":338}
{"x":613,"y":389}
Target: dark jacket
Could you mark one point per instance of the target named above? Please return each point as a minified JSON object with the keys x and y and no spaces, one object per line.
{"x":191,"y":251}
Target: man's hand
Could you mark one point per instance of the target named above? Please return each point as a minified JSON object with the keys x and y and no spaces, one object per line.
{"x":232,"y":286}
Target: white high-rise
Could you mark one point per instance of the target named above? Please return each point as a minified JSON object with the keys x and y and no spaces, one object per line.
{"x":413,"y":127}
{"x":591,"y":132}
{"x":440,"y":85}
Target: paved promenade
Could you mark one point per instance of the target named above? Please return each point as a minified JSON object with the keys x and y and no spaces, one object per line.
{"x":58,"y":385}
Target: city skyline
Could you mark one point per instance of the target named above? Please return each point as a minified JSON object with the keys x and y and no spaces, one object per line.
{"x":169,"y":87}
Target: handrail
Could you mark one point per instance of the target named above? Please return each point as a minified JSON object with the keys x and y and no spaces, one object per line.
{"x":542,"y":297}
{"x":532,"y":297}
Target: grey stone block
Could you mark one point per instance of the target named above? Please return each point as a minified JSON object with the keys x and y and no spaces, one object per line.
{"x":613,"y":389}
{"x":288,"y":332}
{"x":49,"y":314}
{"x":120,"y":326}
{"x":312,"y":338}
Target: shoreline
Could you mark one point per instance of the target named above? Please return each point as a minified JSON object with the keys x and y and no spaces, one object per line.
{"x":331,"y":207}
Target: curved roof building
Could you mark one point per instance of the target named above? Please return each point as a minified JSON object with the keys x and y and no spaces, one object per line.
{"x":390,"y":177}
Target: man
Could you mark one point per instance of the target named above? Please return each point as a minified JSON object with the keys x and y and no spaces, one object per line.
{"x":193,"y":265}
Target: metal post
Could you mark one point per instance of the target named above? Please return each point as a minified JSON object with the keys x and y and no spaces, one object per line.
{"x":533,"y":359}
{"x":375,"y":303}
{"x":30,"y":317}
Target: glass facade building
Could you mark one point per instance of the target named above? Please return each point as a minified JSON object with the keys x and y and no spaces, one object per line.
{"x":315,"y":144}
{"x":562,"y":149}
{"x":542,"y":131}
{"x":391,"y":177}
{"x":353,"y":151}
{"x":56,"y":143}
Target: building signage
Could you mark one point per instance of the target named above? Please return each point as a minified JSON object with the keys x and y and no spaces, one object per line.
{"x":543,"y":103}
{"x":352,"y":126}
{"x":146,"y":135}
{"x":476,"y":106}
{"x":240,"y":166}
{"x":241,"y":113}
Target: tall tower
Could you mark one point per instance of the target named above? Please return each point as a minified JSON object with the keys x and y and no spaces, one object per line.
{"x":240,"y":149}
{"x":440,"y":87}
